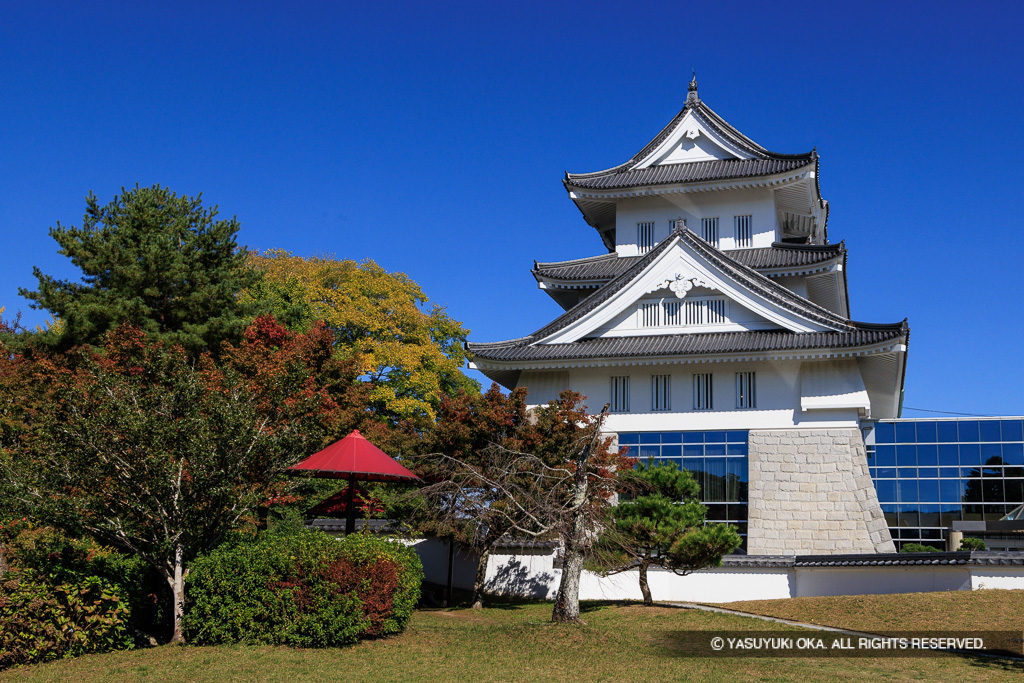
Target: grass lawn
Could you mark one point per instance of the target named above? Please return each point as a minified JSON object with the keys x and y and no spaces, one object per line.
{"x":983,"y":610}
{"x":515,"y":642}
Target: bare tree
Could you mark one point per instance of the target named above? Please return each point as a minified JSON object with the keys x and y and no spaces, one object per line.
{"x":531,"y":481}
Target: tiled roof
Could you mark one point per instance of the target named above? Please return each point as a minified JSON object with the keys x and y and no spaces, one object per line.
{"x":693,"y":172}
{"x":876,"y":559}
{"x":747,"y":276}
{"x":694,"y":344}
{"x":608,"y":266}
{"x":603,"y":267}
{"x":844,"y":333}
{"x":781,"y":255}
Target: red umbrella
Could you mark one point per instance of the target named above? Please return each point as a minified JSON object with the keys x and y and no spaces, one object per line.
{"x":356,"y":459}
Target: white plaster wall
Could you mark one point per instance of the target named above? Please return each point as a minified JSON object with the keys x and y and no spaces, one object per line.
{"x":757,"y":202}
{"x":983,"y":578}
{"x":797,"y":285}
{"x":814,"y":581}
{"x":433,"y":553}
{"x":778,"y":398}
{"x":532,"y":574}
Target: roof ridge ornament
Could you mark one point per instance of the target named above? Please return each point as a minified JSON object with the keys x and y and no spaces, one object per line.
{"x":691,"y":94}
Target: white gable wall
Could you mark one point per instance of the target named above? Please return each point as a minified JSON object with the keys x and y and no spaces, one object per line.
{"x":756,"y":202}
{"x":629,"y":322}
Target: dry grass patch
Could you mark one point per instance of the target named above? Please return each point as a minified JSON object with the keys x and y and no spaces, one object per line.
{"x":514,"y":643}
{"x":983,"y":610}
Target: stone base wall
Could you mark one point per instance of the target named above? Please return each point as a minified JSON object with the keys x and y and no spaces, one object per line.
{"x":810,"y":493}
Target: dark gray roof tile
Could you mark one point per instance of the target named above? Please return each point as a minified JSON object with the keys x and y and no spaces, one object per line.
{"x":693,"y":172}
{"x":694,"y":344}
{"x":608,"y":266}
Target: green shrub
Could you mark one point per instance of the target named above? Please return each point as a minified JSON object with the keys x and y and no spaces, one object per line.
{"x":918,"y":548}
{"x":40,"y":622}
{"x":55,"y":558}
{"x":304,"y":589}
{"x":972,"y":544}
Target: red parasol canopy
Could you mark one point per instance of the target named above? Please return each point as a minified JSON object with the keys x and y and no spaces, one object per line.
{"x":356,"y":459}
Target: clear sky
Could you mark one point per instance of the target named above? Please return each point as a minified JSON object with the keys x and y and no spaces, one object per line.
{"x":432,"y":138}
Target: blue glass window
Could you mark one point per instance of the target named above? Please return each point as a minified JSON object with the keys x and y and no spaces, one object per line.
{"x":908,"y":490}
{"x":693,"y":449}
{"x":950,"y":490}
{"x":629,"y":439}
{"x":926,"y":432}
{"x":714,"y":449}
{"x":906,"y":455}
{"x":946,"y":431}
{"x":970,"y":454}
{"x":647,"y":452}
{"x":1012,"y":430}
{"x":949,"y":454}
{"x":737,"y":449}
{"x":885,"y":456}
{"x":927,"y":472}
{"x":989,"y":430}
{"x":885,"y":432}
{"x":927,"y":455}
{"x":650,"y":437}
{"x":886,"y":472}
{"x":929,"y":490}
{"x":671,"y":451}
{"x":906,"y":432}
{"x":1013,"y":453}
{"x":968,"y":431}
{"x":991,"y":451}
{"x":887,"y":491}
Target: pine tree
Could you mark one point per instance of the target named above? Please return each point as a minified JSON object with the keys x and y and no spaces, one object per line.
{"x":662,"y":525}
{"x":152,"y":259}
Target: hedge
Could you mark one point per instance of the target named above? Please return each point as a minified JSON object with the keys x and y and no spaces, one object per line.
{"x":304,"y":589}
{"x":40,"y":621}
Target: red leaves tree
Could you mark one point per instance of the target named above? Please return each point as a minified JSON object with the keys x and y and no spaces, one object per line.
{"x":498,"y":469}
{"x":160,"y":455}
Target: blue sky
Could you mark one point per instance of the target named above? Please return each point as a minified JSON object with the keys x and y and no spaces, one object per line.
{"x":432,"y":138}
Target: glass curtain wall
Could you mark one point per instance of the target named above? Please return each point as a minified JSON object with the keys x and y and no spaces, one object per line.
{"x":931,"y":473}
{"x":717,"y":460}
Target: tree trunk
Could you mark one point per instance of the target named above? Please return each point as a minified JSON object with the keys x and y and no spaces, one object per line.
{"x":567,"y":602}
{"x":177,"y":582}
{"x":3,"y":560}
{"x":481,"y":578}
{"x":645,"y":589}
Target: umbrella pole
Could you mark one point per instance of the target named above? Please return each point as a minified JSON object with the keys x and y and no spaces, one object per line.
{"x":350,"y":507}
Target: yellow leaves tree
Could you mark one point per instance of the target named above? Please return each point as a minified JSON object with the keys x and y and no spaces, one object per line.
{"x":410,"y":349}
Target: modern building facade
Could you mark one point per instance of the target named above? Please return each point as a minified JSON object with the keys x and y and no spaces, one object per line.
{"x":717,"y":328}
{"x":934,"y":476}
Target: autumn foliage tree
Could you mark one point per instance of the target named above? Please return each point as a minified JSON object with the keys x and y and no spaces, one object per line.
{"x":412,"y":354}
{"x":498,"y":469}
{"x":152,"y":452}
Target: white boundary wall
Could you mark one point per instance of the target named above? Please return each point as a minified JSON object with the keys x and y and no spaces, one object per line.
{"x":532,"y":573}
